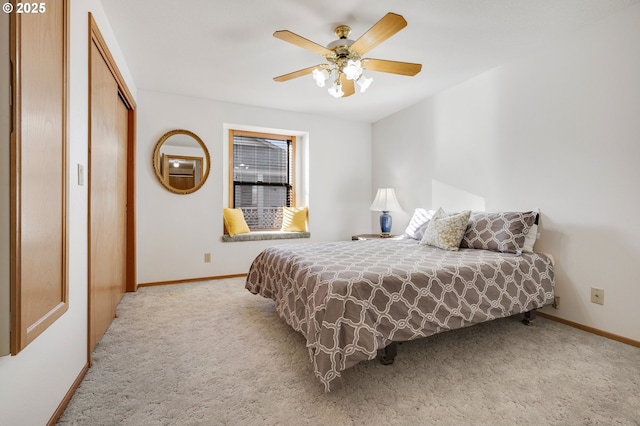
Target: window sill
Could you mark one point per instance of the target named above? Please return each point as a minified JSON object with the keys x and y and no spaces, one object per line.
{"x":265,"y":235}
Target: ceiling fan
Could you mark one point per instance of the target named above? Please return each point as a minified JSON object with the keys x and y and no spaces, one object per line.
{"x":344,"y":57}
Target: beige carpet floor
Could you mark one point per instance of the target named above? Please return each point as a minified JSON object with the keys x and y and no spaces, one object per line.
{"x":211,"y":353}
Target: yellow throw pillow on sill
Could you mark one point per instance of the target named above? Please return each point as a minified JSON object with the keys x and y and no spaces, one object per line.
{"x":234,"y":222}
{"x":294,"y":219}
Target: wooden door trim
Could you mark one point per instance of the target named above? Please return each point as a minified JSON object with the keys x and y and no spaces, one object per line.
{"x":96,"y":38}
{"x":21,"y":333}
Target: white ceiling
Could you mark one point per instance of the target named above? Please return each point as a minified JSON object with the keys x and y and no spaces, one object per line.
{"x":224,"y":49}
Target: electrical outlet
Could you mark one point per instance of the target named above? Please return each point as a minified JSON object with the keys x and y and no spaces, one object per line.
{"x":207,"y":257}
{"x":597,"y":295}
{"x":556,"y":302}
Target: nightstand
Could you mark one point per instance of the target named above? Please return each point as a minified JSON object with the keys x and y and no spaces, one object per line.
{"x":371,"y":237}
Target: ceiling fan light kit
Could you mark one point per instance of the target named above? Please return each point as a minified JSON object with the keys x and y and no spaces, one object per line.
{"x":345,"y":63}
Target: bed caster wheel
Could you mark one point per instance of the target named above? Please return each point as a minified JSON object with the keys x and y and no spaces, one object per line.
{"x":526,"y":321}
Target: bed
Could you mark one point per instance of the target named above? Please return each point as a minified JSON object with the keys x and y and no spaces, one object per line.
{"x":350,"y":299}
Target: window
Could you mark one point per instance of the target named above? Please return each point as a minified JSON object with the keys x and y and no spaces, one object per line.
{"x":261,"y":176}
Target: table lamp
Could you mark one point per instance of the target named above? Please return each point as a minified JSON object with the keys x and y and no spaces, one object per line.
{"x":385,"y":202}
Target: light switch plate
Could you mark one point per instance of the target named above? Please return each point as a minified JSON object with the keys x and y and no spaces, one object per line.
{"x":80,"y":175}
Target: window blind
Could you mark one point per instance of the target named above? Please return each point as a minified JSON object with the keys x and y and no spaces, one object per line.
{"x":262,"y":179}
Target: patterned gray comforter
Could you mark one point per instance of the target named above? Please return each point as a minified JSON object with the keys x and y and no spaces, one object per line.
{"x":351,"y":298}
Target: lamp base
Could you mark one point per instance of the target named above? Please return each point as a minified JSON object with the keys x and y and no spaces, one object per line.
{"x":385,"y":223}
{"x":385,"y":235}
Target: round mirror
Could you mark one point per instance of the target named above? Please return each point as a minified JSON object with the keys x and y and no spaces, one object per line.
{"x":181,"y":161}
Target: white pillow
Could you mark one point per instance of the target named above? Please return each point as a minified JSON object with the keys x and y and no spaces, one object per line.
{"x":531,"y":236}
{"x":418,"y":223}
{"x":530,"y":239}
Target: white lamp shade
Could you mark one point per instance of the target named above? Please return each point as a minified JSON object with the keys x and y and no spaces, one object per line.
{"x":364,"y":82}
{"x":353,"y":70}
{"x":386,"y":201}
{"x":336,"y":91}
{"x":320,"y":76}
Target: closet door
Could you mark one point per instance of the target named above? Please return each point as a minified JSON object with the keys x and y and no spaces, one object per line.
{"x":38,"y":171}
{"x":107,"y":198}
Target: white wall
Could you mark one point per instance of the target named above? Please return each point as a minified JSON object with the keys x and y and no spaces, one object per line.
{"x":33,"y":383}
{"x":558,"y":130}
{"x":174,"y":231}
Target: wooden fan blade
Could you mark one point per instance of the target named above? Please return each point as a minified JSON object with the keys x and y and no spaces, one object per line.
{"x":347,"y":86}
{"x":393,"y":67}
{"x":390,"y":24}
{"x":299,"y":41}
{"x":296,"y":74}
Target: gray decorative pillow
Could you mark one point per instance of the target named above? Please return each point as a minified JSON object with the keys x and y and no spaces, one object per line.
{"x":444,"y":231}
{"x":503,"y":232}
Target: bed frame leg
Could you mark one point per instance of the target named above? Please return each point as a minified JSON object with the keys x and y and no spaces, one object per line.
{"x":389,"y":354}
{"x":529,"y":317}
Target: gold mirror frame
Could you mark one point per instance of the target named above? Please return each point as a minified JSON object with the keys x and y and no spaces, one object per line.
{"x":159,"y":158}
